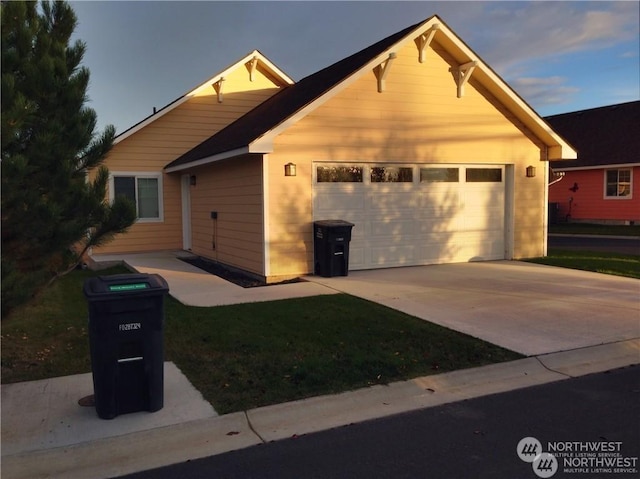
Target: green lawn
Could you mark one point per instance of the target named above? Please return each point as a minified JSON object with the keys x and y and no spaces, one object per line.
{"x":594,"y":229}
{"x":608,"y":263}
{"x":250,"y":355}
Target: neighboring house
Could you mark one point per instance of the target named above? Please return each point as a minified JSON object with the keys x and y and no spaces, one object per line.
{"x":599,"y":187}
{"x":414,"y":139}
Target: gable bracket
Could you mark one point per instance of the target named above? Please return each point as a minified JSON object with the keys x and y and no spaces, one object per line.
{"x":424,"y":40}
{"x":252,"y":67}
{"x":382,"y":71}
{"x":461,"y":74}
{"x":217,"y":86}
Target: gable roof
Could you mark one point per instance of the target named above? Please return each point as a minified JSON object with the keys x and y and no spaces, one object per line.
{"x":608,"y":135}
{"x":254,"y":132}
{"x":278,"y":75}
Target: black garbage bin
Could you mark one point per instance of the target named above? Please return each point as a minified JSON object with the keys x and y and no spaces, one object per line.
{"x":126,"y":316}
{"x":331,"y":240}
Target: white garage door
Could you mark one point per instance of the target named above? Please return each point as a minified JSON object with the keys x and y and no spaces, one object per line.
{"x":415,"y":214}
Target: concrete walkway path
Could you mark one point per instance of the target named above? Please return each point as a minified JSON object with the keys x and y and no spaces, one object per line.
{"x":195,"y":287}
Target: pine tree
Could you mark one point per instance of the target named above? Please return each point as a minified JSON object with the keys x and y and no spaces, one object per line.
{"x":51,"y":211}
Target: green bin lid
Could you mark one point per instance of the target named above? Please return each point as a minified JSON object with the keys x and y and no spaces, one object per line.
{"x":106,"y":286}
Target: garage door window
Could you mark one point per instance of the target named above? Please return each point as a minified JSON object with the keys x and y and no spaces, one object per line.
{"x":439,"y":175}
{"x":339,"y":174}
{"x":391,"y":174}
{"x":484,"y":175}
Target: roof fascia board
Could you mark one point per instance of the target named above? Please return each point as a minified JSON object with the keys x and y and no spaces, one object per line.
{"x":207,"y":84}
{"x":558,"y":149}
{"x":597,"y":167}
{"x":209,"y":159}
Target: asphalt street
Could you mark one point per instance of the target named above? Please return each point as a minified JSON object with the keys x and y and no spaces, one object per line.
{"x":629,"y":245}
{"x":587,"y":421}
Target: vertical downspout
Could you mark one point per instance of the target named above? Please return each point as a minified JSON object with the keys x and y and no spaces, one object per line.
{"x":545,"y":209}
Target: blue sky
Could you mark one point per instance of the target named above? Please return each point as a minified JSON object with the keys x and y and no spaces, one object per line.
{"x":559,"y":56}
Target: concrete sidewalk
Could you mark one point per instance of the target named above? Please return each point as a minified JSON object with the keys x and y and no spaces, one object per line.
{"x":94,"y":448}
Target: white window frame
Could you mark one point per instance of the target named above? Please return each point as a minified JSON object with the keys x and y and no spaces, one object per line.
{"x":139,"y":175}
{"x":627,"y":197}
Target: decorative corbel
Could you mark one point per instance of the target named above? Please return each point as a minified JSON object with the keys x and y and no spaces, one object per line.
{"x":217,"y":86}
{"x":252,"y":67}
{"x":382,"y":70}
{"x":424,"y":40}
{"x":461,"y":74}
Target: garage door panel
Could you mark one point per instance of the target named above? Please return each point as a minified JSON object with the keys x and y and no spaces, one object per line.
{"x":477,"y":246}
{"x":438,"y":225}
{"x":356,"y":255}
{"x":491,"y":221}
{"x":393,"y":230}
{"x":328,"y":203}
{"x":398,"y":201}
{"x":438,"y":249}
{"x":401,"y":223}
{"x":386,"y":255}
{"x":445,"y":199}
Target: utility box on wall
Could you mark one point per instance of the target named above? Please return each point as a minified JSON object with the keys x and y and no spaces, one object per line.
{"x":126,"y":316}
{"x":331,"y":240}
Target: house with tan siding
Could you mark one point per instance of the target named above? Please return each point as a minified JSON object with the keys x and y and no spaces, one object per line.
{"x":414,"y":140}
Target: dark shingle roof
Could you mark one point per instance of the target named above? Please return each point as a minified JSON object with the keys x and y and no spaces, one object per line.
{"x":285,"y":103}
{"x":608,"y":135}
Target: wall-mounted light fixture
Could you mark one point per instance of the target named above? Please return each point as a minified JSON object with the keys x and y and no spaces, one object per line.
{"x":531,"y":171}
{"x":290,"y":169}
{"x":192,"y":180}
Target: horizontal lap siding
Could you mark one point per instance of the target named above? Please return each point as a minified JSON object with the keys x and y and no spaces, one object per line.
{"x":233,"y":189}
{"x":588,"y":200}
{"x":417,"y":119}
{"x":170,"y":136}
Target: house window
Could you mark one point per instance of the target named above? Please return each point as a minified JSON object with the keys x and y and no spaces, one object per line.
{"x":391,"y":174}
{"x":618,"y":183}
{"x":439,"y":175}
{"x":145,"y":190}
{"x":339,"y":174}
{"x":484,"y":175}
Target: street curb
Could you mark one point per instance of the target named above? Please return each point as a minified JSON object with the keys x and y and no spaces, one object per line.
{"x":160,"y":447}
{"x":568,"y":235}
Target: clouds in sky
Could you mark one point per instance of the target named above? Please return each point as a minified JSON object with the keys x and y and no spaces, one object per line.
{"x":530,"y":45}
{"x":559,"y":56}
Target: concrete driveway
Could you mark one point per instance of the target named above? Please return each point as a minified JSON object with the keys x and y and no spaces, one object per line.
{"x":524,"y":307}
